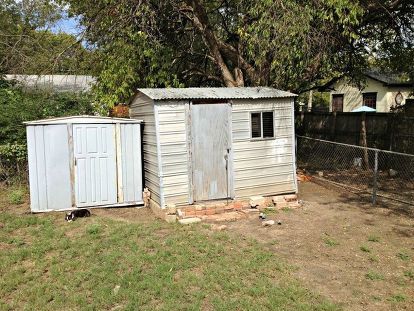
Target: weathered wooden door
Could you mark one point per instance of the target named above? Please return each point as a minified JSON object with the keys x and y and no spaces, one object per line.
{"x":95,"y":164}
{"x":210,"y":131}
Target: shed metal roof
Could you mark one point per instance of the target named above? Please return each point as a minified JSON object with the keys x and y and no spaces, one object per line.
{"x":215,"y":93}
{"x":82,"y":119}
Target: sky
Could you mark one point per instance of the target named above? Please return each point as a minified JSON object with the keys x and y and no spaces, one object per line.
{"x":68,"y":25}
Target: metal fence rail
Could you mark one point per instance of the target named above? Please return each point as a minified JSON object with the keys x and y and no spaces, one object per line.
{"x":373,"y":171}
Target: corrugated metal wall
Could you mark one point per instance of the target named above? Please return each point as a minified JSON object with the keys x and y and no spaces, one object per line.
{"x":172,"y":130}
{"x":131,"y":163}
{"x":49,"y":169}
{"x":142,"y":108}
{"x":263,"y":167}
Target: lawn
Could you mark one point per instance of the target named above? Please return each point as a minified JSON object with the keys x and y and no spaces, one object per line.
{"x":108,"y":263}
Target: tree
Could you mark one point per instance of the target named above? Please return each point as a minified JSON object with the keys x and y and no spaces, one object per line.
{"x":27,"y":46}
{"x":291,"y":44}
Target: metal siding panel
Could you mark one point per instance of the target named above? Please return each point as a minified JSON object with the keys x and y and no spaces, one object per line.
{"x":174,"y":152}
{"x":41,"y":168}
{"x":33,"y":169}
{"x":57,"y":167}
{"x":263,"y":167}
{"x":142,"y":108}
{"x":131,"y":163}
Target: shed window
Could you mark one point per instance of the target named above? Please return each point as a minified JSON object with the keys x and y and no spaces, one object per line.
{"x":262,"y":124}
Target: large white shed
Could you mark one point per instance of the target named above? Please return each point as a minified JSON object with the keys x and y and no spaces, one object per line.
{"x":84,"y":161}
{"x":204,"y":144}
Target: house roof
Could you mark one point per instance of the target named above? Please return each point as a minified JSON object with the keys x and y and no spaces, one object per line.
{"x":81,"y":119}
{"x":60,"y":83}
{"x":215,"y":93}
{"x":388,"y":79}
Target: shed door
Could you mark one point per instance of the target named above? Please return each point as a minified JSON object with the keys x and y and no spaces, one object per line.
{"x":211,"y":146}
{"x":95,"y":164}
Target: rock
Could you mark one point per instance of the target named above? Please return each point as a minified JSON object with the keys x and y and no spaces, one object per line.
{"x":116,"y":289}
{"x":268,"y":223}
{"x":320,"y":173}
{"x":279,"y":222}
{"x":171,"y":218}
{"x":215,"y":227}
{"x":256,"y":201}
{"x":392,"y":173}
{"x":188,"y":221}
{"x":179,"y":213}
{"x":262,"y":216}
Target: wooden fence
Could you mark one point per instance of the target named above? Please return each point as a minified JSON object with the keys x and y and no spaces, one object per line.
{"x":387,"y":131}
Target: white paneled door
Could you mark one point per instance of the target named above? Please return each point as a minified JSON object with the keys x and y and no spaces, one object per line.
{"x":95,"y":164}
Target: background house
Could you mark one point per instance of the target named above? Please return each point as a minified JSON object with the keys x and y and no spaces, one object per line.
{"x":380,"y":91}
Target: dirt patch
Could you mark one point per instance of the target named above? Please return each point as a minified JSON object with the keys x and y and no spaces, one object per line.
{"x":343,"y":248}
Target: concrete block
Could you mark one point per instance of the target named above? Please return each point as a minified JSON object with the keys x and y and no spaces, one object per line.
{"x":257,"y":201}
{"x":188,"y":221}
{"x":171,"y":209}
{"x":171,"y":218}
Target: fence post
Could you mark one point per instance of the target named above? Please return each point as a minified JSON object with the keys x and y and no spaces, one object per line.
{"x":375,"y":184}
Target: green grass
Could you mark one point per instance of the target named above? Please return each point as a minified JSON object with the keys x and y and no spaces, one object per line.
{"x":403,"y":256}
{"x":373,"y":238}
{"x":374,"y":276}
{"x":365,"y":249}
{"x":330,"y":242}
{"x":409,"y":274}
{"x":98,"y":263}
{"x":397,"y":298}
{"x":16,"y":196}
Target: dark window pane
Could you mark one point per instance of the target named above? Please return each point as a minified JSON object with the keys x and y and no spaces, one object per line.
{"x":338,"y":102}
{"x":268,"y":130}
{"x":256,"y":125}
{"x":369,"y":100}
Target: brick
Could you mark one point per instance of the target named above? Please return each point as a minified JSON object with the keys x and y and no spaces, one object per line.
{"x":290,"y":197}
{"x":189,"y":212}
{"x":219,"y":210}
{"x":199,"y":207}
{"x":245,"y":205}
{"x":238,"y":205}
{"x":280,"y":205}
{"x":200,"y":212}
{"x":278,"y":198}
{"x":210,"y":211}
{"x":220,"y":205}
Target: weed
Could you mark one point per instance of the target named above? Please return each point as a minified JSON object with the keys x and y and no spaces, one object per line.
{"x":270,"y":211}
{"x":365,"y":249}
{"x":16,"y":196}
{"x":331,"y":242}
{"x":93,"y":229}
{"x":372,"y":258}
{"x":373,"y":238}
{"x":397,"y":298}
{"x":409,"y":274}
{"x":374,"y":276}
{"x":403,"y":256}
{"x":286,"y":209}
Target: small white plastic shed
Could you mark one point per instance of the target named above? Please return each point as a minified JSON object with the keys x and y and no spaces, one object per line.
{"x":84,"y":161}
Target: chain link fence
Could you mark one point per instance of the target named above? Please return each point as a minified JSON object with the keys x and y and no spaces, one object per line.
{"x":379,"y":173}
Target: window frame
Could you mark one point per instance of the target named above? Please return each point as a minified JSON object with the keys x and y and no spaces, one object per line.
{"x":261,"y":126}
{"x":332,"y":104}
{"x":367,"y":94}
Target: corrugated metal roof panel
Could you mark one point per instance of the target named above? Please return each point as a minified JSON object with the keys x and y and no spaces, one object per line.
{"x":81,"y":119}
{"x":214,"y":93}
